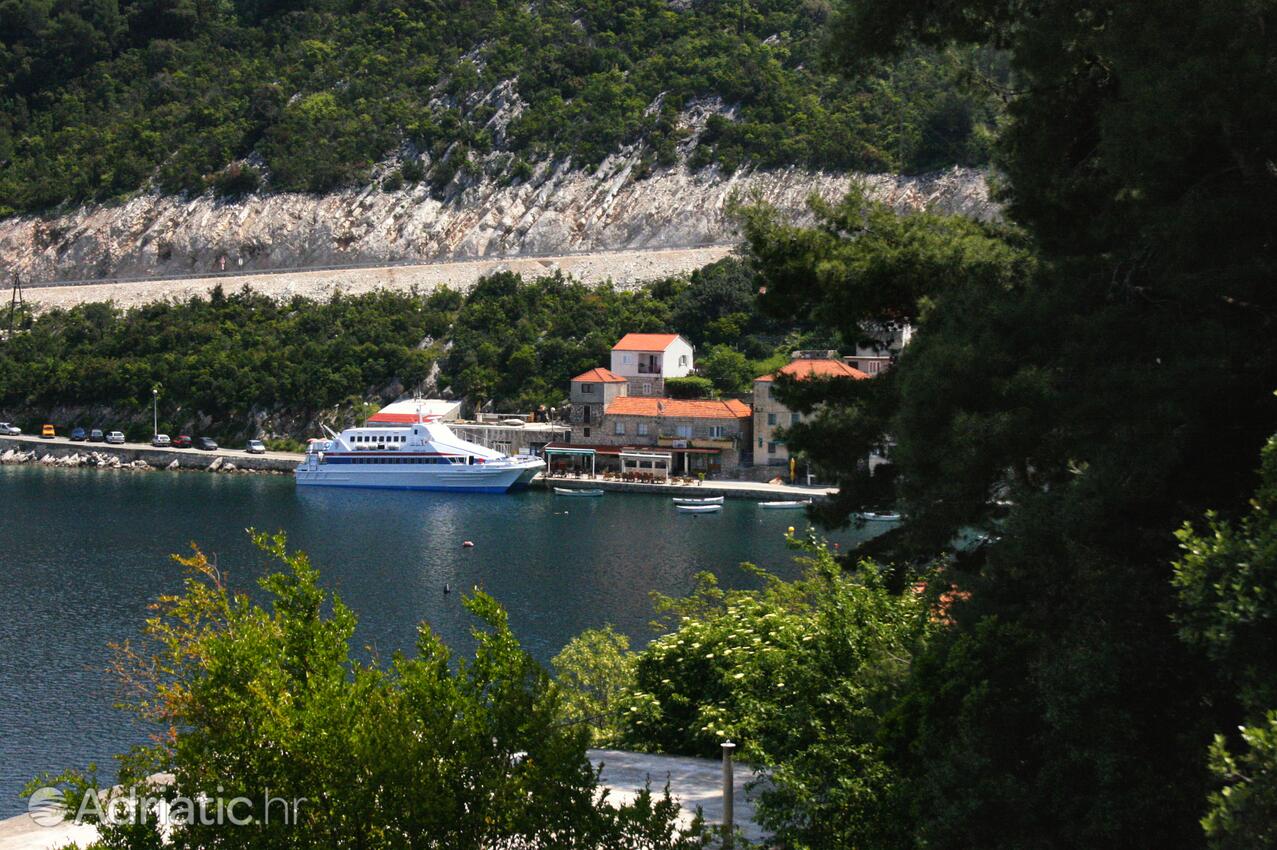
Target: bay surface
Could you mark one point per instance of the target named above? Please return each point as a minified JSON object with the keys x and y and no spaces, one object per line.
{"x":83,"y":552}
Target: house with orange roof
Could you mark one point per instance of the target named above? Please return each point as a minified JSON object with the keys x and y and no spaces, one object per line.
{"x":589,"y":394}
{"x":771,"y":415}
{"x":701,"y":435}
{"x":646,"y":360}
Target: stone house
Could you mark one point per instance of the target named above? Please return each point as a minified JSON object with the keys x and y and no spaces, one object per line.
{"x":646,"y":360}
{"x":589,"y":394}
{"x":770,"y":415}
{"x":702,"y":435}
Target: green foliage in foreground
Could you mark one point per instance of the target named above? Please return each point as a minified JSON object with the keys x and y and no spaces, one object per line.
{"x":424,"y":751}
{"x":802,"y":675}
{"x":1051,"y":400}
{"x":100,"y":97}
{"x":1227,"y":582}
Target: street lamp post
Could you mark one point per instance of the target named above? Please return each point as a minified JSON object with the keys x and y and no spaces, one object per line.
{"x":155,"y":411}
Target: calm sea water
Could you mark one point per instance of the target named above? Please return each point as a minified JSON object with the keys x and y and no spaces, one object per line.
{"x":82,"y":553}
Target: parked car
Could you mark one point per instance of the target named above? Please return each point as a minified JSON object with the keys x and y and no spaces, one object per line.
{"x":161,"y":440}
{"x":96,"y":435}
{"x":205,"y":443}
{"x":115,"y":437}
{"x":48,"y":433}
{"x":255,"y":447}
{"x":8,"y":429}
{"x":182,"y":441}
{"x":78,"y":434}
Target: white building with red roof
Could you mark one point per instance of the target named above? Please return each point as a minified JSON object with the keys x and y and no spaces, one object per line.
{"x":646,"y":360}
{"x":771,"y":415}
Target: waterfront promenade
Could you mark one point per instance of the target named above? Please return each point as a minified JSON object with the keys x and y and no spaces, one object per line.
{"x":164,"y":458}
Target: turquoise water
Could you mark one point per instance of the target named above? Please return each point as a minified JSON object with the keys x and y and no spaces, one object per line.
{"x":82,"y":552}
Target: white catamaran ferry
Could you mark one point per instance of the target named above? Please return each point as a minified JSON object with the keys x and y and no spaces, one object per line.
{"x":424,"y":455}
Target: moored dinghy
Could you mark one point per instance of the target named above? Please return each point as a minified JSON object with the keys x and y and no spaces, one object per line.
{"x":785,"y":506}
{"x":873,"y":516}
{"x":708,"y":500}
{"x":573,"y":491}
{"x":698,"y":509}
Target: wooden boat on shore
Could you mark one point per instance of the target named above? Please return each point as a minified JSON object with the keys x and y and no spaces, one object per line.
{"x":792,"y":505}
{"x":707,"y":500}
{"x":574,"y":491}
{"x":873,"y":516}
{"x":698,"y":509}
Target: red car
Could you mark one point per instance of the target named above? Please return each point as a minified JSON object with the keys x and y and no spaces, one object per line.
{"x":181,"y":441}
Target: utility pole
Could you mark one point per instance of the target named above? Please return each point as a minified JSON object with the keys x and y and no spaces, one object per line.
{"x":15,"y":301}
{"x":155,"y":410}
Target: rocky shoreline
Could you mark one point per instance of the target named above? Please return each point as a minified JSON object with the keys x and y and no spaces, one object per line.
{"x":104,"y":460}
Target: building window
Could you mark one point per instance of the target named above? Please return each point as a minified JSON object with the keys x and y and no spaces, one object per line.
{"x":771,"y":419}
{"x":626,"y":359}
{"x":795,"y":418}
{"x":771,"y":448}
{"x":683,"y":430}
{"x":620,"y":429}
{"x":586,"y":431}
{"x":760,"y":442}
{"x":647,"y":389}
{"x":682,"y":360}
{"x":717,"y":432}
{"x":585,"y":414}
{"x":641,"y":429}
{"x":587,"y":389}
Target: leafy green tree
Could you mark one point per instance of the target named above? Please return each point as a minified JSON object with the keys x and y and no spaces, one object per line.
{"x":690,"y":386}
{"x":430,"y":750}
{"x":802,"y":674}
{"x":729,"y":370}
{"x":1049,"y":402}
{"x":595,"y":670}
{"x":1227,"y":582}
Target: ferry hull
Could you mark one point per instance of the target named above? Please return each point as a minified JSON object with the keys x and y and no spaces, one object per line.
{"x":462,"y":479}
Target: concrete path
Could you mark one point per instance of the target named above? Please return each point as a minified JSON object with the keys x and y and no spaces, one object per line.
{"x":693,"y":782}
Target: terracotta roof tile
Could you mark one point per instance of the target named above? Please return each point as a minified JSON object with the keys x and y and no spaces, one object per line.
{"x":678,"y":408}
{"x":801,"y":369}
{"x":645,"y":342}
{"x":603,"y":376}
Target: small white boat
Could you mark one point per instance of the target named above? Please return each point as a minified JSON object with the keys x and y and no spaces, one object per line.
{"x":708,"y":500}
{"x":872,"y":516}
{"x":785,"y":506}
{"x":698,"y":509}
{"x":573,"y":491}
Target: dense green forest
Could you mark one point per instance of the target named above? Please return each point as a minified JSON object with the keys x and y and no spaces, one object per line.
{"x":235,"y":365}
{"x":99,"y":98}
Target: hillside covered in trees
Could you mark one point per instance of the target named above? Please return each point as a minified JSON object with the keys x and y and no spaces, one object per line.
{"x":101,"y":98}
{"x":242,"y":364}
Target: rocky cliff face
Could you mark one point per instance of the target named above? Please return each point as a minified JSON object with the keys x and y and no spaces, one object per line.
{"x":558,"y":210}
